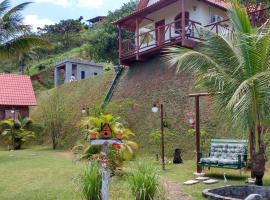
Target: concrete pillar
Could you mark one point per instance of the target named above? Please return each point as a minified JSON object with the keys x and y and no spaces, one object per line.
{"x":57,"y":77}
{"x":68,"y":72}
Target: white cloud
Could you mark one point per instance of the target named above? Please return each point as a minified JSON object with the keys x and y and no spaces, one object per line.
{"x":36,"y":22}
{"x":77,"y":3}
{"x":63,"y":3}
{"x":90,"y":3}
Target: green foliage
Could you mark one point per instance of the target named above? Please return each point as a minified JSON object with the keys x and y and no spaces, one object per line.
{"x":144,"y":182}
{"x":15,"y":133}
{"x":118,"y":128}
{"x":236,"y":65}
{"x":53,"y":115}
{"x":63,"y":33}
{"x":15,"y":36}
{"x":90,"y":182}
{"x":103,"y":38}
{"x":205,"y":138}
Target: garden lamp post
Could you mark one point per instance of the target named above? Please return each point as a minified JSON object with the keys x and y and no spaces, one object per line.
{"x":13,"y":114}
{"x":155,"y":109}
{"x":85,"y":111}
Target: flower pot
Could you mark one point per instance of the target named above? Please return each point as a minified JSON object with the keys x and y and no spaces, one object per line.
{"x":119,"y":135}
{"x":93,"y":135}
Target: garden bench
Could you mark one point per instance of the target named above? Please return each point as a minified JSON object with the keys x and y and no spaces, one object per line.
{"x":230,"y":154}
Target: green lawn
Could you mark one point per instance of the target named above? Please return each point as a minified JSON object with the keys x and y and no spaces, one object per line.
{"x":43,"y":174}
{"x":182,"y":173}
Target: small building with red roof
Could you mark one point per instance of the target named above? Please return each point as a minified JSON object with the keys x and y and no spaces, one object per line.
{"x":16,"y":96}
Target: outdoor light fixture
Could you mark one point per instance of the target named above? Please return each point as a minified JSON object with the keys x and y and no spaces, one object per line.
{"x":83,"y":111}
{"x":191,"y":119}
{"x":155,"y":108}
{"x":12,"y":111}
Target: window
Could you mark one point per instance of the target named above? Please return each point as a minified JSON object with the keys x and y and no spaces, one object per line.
{"x":178,"y":22}
{"x":216,"y":18}
{"x":12,"y":114}
{"x":82,"y":75}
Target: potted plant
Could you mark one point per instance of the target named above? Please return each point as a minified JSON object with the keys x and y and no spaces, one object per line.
{"x":93,"y":134}
{"x":119,"y":135}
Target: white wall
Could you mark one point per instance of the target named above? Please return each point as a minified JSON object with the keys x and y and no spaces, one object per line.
{"x":198,"y":11}
{"x":89,"y":71}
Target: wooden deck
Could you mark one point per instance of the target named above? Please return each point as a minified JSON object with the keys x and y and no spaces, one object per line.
{"x":149,"y":42}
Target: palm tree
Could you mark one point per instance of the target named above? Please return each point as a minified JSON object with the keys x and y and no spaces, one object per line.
{"x":237,"y":66}
{"x":15,"y":36}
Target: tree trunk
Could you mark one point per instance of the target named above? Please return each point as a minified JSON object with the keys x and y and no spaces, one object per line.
{"x":260,"y":141}
{"x":252,"y":146}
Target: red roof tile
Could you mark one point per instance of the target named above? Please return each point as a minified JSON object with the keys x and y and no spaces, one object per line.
{"x":219,"y":3}
{"x":143,"y":8}
{"x":16,"y":90}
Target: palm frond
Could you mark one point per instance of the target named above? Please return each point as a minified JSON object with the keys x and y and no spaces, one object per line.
{"x":4,"y":5}
{"x":22,"y":44}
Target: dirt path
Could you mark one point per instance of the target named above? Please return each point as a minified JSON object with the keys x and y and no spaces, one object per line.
{"x":173,"y":191}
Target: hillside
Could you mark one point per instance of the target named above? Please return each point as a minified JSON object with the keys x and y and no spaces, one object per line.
{"x":140,"y":87}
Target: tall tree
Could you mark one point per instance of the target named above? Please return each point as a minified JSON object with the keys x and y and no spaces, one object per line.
{"x":237,"y":65}
{"x":15,"y":36}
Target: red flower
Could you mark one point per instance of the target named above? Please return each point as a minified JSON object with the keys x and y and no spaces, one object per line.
{"x":117,"y":146}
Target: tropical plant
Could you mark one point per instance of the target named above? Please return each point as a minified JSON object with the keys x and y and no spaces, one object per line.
{"x":144,"y":182}
{"x":90,"y":182}
{"x":235,"y":66}
{"x":118,"y":131}
{"x":53,"y":115}
{"x":205,"y":138}
{"x":15,"y":132}
{"x":15,"y":36}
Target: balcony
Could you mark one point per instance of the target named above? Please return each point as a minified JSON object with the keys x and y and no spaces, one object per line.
{"x":148,"y":42}
{"x":153,"y":41}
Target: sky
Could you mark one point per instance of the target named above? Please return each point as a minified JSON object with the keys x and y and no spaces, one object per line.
{"x":42,"y":12}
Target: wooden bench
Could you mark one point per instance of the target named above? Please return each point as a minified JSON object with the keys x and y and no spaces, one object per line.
{"x":230,"y":154}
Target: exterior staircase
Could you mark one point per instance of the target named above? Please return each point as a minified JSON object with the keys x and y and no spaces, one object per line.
{"x":113,"y":86}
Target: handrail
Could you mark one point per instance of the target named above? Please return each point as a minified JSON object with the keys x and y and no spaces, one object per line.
{"x":218,"y":22}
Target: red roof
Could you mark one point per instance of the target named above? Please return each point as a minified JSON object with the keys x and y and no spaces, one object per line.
{"x":219,"y":3}
{"x":143,"y":10}
{"x":16,"y":90}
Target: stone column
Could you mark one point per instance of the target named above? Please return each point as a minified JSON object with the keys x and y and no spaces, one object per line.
{"x":68,"y":72}
{"x":57,"y":77}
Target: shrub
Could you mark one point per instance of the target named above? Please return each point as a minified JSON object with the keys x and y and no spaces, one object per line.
{"x":90,"y":182}
{"x":143,"y":182}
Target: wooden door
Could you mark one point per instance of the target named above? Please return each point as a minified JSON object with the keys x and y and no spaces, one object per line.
{"x":160,"y":32}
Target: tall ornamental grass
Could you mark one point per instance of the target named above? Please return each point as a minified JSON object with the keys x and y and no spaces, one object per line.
{"x":144,"y":182}
{"x":90,"y":182}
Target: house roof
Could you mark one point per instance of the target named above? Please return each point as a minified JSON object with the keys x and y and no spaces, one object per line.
{"x":77,"y":61}
{"x":143,"y":10}
{"x":16,"y":90}
{"x":96,"y":19}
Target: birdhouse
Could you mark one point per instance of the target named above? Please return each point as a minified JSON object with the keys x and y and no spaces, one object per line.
{"x":106,"y":131}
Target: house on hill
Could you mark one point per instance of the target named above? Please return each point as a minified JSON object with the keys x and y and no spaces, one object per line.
{"x":16,"y":96}
{"x":71,"y":69}
{"x":96,"y":20}
{"x":157,"y":24}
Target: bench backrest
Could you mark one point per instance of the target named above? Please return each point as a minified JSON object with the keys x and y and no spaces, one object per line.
{"x":228,"y":149}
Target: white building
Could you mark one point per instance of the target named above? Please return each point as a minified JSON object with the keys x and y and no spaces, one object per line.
{"x":72,"y":69}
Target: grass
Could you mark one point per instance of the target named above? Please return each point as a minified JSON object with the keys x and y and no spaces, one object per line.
{"x":184,"y":172}
{"x":42,"y":174}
